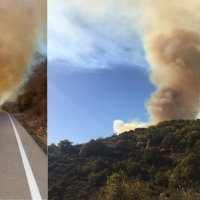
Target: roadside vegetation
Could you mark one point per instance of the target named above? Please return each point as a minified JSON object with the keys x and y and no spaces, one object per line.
{"x":30,"y":107}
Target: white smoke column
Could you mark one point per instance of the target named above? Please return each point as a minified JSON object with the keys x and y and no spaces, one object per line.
{"x":23,"y":29}
{"x":171,"y":35}
{"x":121,"y":127}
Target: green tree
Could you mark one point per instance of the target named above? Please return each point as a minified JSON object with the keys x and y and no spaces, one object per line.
{"x":196,"y":147}
{"x":93,"y":148}
{"x":161,"y":179}
{"x":186,"y":173}
{"x":99,"y":165}
{"x":133,"y":168}
{"x":97,"y":179}
{"x":51,"y":148}
{"x":66,"y":146}
{"x":151,"y":155}
{"x":192,"y":137}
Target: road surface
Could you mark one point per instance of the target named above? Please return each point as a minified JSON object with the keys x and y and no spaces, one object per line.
{"x":23,"y":165}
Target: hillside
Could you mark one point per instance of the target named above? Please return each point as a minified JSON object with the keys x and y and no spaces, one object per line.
{"x":30,"y":107}
{"x":142,"y":164}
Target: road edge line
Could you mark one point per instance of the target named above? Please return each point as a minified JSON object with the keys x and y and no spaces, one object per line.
{"x":35,"y":194}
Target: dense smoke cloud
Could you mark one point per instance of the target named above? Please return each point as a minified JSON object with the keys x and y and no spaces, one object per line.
{"x":23,"y":30}
{"x":171,"y":36}
{"x":176,"y":76}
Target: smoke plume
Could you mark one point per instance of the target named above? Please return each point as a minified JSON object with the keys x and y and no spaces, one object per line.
{"x":23,"y":30}
{"x":171,"y":36}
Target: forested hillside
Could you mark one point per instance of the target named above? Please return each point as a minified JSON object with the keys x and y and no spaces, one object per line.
{"x":158,"y":162}
{"x":30,"y":107}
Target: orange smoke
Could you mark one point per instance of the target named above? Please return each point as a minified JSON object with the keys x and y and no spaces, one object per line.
{"x":22,"y":27}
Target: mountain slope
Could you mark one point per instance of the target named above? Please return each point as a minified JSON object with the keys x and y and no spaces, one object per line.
{"x":166,"y":157}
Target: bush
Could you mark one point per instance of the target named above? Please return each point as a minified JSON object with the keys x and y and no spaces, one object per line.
{"x":119,"y":187}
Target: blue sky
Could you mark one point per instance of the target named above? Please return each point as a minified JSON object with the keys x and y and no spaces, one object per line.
{"x":97,"y":72}
{"x":83,"y":105}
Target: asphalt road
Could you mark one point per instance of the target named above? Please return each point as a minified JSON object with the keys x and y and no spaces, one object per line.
{"x":23,"y":165}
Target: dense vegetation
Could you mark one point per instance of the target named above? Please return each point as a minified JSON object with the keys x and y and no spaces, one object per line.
{"x":158,"y":162}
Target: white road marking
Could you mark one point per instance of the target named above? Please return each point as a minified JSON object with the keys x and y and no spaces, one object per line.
{"x":35,"y":194}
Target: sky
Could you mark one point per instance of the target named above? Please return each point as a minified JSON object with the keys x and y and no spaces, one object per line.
{"x":120,"y":64}
{"x":83,"y":105}
{"x":96,"y":74}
